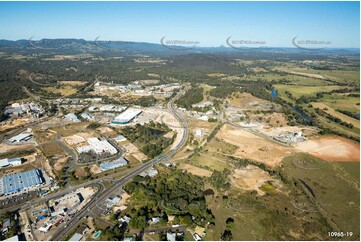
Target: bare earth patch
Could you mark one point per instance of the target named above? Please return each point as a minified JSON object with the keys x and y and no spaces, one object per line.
{"x":107,"y":131}
{"x":74,"y":139}
{"x":94,"y":169}
{"x":249,"y":102}
{"x":195,"y":170}
{"x":251,"y":178}
{"x":254,"y":147}
{"x":122,"y":204}
{"x":317,"y":76}
{"x":332,"y":148}
{"x":72,"y":83}
{"x":134,"y":151}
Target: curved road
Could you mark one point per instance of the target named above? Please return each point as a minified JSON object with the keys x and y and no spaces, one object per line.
{"x":63,"y":230}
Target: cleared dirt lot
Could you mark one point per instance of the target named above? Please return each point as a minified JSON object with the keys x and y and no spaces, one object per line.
{"x":195,"y":170}
{"x":72,"y":83}
{"x":332,"y":148}
{"x":247,"y":101}
{"x":254,"y":147}
{"x":94,"y":169}
{"x":134,"y":151}
{"x":251,"y":178}
{"x":4,"y":148}
{"x":271,"y":119}
{"x":339,"y":115}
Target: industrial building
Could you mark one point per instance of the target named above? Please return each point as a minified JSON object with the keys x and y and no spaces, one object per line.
{"x":120,"y":138}
{"x":76,"y":237}
{"x":98,"y":146}
{"x":20,"y":181}
{"x":203,"y":104}
{"x":10,"y":162}
{"x":72,"y":117}
{"x":86,"y":116}
{"x":150,"y":172}
{"x":110,"y":202}
{"x":126,"y":116}
{"x":114,"y":164}
{"x":20,"y":138}
{"x":14,"y":238}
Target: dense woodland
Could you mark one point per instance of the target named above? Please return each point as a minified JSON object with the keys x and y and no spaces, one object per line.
{"x":172,"y":192}
{"x":149,"y":137}
{"x":192,"y":96}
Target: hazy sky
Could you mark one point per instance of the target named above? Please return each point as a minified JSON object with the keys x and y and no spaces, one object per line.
{"x":209,"y":23}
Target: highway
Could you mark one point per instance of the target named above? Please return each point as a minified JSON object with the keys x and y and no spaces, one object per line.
{"x":63,"y":230}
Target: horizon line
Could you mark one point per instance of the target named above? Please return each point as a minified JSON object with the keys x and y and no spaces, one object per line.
{"x":160,"y":43}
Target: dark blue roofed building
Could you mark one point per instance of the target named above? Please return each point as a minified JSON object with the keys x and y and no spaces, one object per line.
{"x":20,"y":181}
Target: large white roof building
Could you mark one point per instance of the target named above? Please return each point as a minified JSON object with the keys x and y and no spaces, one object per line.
{"x":126,"y":116}
{"x":10,"y":162}
{"x":98,"y":146}
{"x":20,"y":137}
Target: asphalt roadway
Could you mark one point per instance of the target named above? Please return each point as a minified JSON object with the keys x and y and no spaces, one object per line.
{"x":91,"y":208}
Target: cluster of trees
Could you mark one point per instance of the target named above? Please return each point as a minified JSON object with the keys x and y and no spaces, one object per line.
{"x":10,"y":90}
{"x":223,"y":91}
{"x":145,"y":101}
{"x":192,"y":96}
{"x":348,"y":113}
{"x":333,"y":118}
{"x":115,"y":234}
{"x":227,"y":234}
{"x":14,"y":225}
{"x":173,"y":192}
{"x":149,"y":137}
{"x":220,"y":179}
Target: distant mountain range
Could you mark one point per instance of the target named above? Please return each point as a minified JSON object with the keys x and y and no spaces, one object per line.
{"x":80,"y":46}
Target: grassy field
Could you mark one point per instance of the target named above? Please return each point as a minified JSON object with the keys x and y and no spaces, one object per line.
{"x":52,"y":149}
{"x":339,"y":115}
{"x":293,"y":79}
{"x":351,"y":104}
{"x":335,"y":190}
{"x":216,"y":144}
{"x":206,"y":87}
{"x":298,"y":91}
{"x":355,"y":132}
{"x":210,"y":162}
{"x":353,"y":168}
{"x":270,"y":217}
{"x":63,"y":90}
{"x":344,"y":74}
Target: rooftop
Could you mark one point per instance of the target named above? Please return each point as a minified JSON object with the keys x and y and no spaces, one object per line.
{"x":127,"y":116}
{"x":76,"y":237}
{"x":20,"y":181}
{"x":20,"y":137}
{"x":114,"y":164}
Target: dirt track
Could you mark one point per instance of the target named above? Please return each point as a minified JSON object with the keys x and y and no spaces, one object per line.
{"x":332,"y":148}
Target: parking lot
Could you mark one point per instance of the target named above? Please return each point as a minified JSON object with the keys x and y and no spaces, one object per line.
{"x":21,"y":198}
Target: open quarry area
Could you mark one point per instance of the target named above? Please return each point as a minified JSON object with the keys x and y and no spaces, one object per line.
{"x":332,"y":149}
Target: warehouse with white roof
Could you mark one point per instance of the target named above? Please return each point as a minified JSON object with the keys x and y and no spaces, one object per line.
{"x":126,"y":116}
{"x":10,"y":162}
{"x":98,"y":146}
{"x":20,"y":138}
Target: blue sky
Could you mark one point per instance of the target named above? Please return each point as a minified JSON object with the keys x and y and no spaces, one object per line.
{"x":209,"y":23}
